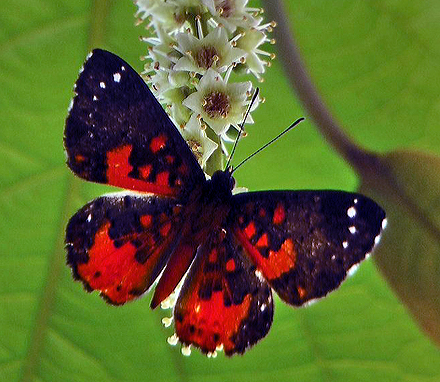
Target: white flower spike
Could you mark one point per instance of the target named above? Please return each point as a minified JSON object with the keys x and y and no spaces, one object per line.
{"x":196,"y":46}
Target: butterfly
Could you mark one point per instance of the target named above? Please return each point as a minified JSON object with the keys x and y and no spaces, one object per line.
{"x":173,"y":223}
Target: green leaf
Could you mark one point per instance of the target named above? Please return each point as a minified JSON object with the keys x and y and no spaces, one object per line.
{"x":409,"y":255}
{"x":375,"y":61}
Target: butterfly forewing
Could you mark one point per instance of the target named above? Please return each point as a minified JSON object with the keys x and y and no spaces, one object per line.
{"x":222,"y":302}
{"x":119,"y":244}
{"x":305,"y":242}
{"x":117,"y":133}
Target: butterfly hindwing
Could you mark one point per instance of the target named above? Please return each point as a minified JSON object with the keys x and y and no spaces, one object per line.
{"x":305,"y":242}
{"x":117,"y":133}
{"x":222,"y":302}
{"x":120,"y":244}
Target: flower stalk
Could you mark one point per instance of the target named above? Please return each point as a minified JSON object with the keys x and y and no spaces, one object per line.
{"x":196,"y":51}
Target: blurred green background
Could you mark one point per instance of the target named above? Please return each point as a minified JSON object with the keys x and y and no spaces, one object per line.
{"x":376,"y":65}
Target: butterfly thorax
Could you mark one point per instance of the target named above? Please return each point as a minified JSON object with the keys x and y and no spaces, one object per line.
{"x":208,"y":206}
{"x":220,"y":186}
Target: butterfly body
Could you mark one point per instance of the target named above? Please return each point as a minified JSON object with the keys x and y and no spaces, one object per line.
{"x":233,"y":249}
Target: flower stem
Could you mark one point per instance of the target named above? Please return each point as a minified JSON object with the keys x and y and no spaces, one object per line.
{"x":364,"y":162}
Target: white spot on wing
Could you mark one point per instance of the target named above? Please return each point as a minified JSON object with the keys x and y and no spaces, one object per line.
{"x":310,"y":302}
{"x":95,"y":98}
{"x":89,"y":218}
{"x":263,"y":307}
{"x":353,"y":270}
{"x":352,"y":229}
{"x":102,"y":85}
{"x":355,"y":201}
{"x":117,"y":77}
{"x":351,"y":212}
{"x":259,"y":275}
{"x":377,"y":239}
{"x":70,"y":105}
{"x":384,"y":223}
{"x":345,"y":244}
{"x":123,"y":68}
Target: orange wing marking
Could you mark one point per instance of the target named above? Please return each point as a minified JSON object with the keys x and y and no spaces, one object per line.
{"x":145,"y":171}
{"x":158,"y":143}
{"x":250,"y":230}
{"x":162,"y":178}
{"x":263,"y":241}
{"x":165,"y":229}
{"x":277,"y":263}
{"x":119,"y":169}
{"x":230,"y":265}
{"x":213,"y":256}
{"x":279,"y":214}
{"x":209,"y":323}
{"x":109,"y":268}
{"x":146,"y":220}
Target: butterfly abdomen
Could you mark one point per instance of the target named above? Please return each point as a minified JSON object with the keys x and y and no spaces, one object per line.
{"x":204,"y":214}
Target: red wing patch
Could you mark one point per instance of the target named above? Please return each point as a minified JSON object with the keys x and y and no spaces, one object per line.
{"x":119,"y":245}
{"x":117,"y":133}
{"x":222,"y":304}
{"x":273,"y":263}
{"x":175,"y":269}
{"x":120,"y":173}
{"x":305,"y":242}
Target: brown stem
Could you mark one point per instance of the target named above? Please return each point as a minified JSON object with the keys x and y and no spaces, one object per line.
{"x":362,"y":161}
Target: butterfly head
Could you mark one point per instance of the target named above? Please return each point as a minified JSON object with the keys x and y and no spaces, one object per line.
{"x":222,"y":183}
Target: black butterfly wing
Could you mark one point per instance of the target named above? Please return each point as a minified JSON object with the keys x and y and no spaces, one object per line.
{"x":305,"y":242}
{"x":117,"y":133}
{"x":222,"y":302}
{"x":119,"y":244}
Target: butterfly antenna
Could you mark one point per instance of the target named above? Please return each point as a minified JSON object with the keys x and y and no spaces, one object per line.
{"x":240,"y":125}
{"x":297,"y":122}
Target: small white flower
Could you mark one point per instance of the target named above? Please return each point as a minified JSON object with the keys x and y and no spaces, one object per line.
{"x":159,"y":59}
{"x":232,"y":13}
{"x":171,"y":15}
{"x":211,"y":51}
{"x":249,"y":41}
{"x":173,"y":98}
{"x":163,"y":13}
{"x":201,"y":146}
{"x":160,"y":83}
{"x":219,"y":103}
